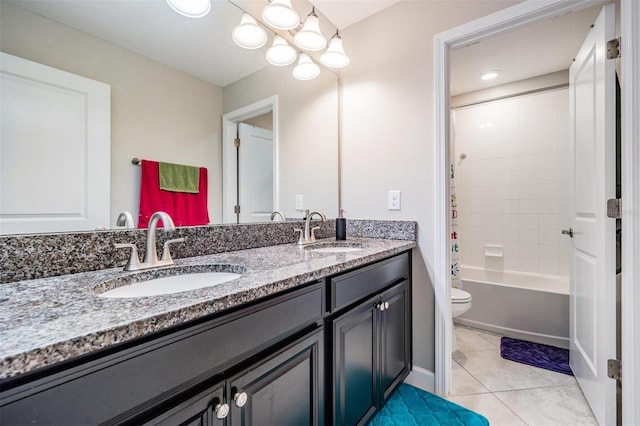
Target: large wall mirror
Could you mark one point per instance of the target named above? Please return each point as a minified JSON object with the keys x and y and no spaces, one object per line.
{"x":178,"y":89}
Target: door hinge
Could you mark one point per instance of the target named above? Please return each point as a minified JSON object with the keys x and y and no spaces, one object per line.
{"x":236,"y":142}
{"x":614,"y":369}
{"x":236,"y":209}
{"x":614,"y":208}
{"x":613,"y":48}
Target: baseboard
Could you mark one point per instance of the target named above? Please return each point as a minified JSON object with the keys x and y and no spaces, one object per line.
{"x":422,"y":379}
{"x":560,"y":342}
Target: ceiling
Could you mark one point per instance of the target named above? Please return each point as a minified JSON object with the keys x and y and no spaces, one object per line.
{"x":347,"y":12}
{"x":201,"y":47}
{"x":204,"y":48}
{"x":535,"y":50}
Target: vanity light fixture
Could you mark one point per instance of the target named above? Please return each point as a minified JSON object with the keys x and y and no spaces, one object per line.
{"x":306,"y":68}
{"x":248,"y":33}
{"x":280,"y":15}
{"x":309,"y":37}
{"x":281,"y":53}
{"x":334,"y":56}
{"x":191,"y":8}
{"x":490,"y":75}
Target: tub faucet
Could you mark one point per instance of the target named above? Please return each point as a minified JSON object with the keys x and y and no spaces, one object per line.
{"x":308,"y":235}
{"x":151,"y":255}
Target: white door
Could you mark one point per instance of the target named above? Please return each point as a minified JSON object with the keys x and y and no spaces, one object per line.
{"x":255,"y":178}
{"x":593,"y":291}
{"x":54,"y":149}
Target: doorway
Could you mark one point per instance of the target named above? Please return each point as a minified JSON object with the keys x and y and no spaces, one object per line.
{"x":517,"y":16}
{"x":250,"y":162}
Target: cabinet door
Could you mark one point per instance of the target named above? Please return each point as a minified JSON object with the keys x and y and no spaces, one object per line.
{"x":354,"y":365}
{"x":285,"y":389}
{"x":395,"y":338}
{"x":203,"y":409}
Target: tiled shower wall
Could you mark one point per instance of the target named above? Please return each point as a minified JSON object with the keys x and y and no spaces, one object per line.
{"x":513,"y":188}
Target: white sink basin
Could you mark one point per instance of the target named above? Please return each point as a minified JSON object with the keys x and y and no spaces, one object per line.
{"x":170,"y":285}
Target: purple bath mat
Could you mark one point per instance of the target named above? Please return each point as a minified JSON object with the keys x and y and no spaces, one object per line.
{"x":536,"y":354}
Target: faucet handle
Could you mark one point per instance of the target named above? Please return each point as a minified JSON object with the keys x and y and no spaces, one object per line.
{"x":301,"y":236}
{"x":134,"y":261}
{"x":166,"y":254}
{"x":312,"y":238}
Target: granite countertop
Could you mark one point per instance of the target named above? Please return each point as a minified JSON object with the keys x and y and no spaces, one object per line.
{"x":45,"y":321}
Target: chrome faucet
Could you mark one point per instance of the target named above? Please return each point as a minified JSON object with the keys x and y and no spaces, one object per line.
{"x":308,"y":235}
{"x":278,"y":213}
{"x":151,"y":255}
{"x":125,"y":219}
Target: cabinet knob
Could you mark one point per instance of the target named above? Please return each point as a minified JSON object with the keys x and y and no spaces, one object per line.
{"x":221,"y":410}
{"x":240,"y":399}
{"x":380,"y":307}
{"x":386,"y":305}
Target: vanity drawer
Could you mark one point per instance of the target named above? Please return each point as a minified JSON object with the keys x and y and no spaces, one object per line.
{"x":348,"y":288}
{"x":147,"y":374}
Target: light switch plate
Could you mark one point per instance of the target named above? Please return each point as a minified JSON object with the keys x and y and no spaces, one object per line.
{"x":394,"y":200}
{"x":299,"y":202}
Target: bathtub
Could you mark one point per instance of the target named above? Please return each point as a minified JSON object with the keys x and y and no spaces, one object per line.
{"x":516,"y":304}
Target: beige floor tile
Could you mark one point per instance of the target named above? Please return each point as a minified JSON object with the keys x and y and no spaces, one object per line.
{"x":498,"y":374}
{"x":553,"y":406}
{"x":463,"y":383}
{"x":490,"y":337}
{"x":489,"y":406}
{"x":467,"y":340}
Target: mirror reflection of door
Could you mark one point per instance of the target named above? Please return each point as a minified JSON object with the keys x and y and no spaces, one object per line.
{"x":255,"y":158}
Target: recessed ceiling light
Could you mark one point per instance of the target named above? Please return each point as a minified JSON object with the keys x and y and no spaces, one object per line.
{"x":490,"y":75}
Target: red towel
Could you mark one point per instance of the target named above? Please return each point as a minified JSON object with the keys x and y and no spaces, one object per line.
{"x":184,"y":208}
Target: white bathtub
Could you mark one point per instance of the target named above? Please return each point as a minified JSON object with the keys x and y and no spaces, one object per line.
{"x":519,"y":305}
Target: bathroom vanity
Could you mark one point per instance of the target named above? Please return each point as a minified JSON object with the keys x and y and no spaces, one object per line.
{"x":303,"y":337}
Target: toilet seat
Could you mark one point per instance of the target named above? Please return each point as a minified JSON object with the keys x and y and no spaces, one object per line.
{"x":459,"y":296}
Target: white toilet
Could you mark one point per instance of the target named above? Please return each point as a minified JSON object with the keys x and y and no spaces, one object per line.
{"x":460,"y":303}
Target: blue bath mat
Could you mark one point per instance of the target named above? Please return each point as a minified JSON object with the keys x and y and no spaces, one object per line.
{"x":410,"y":406}
{"x":536,"y":354}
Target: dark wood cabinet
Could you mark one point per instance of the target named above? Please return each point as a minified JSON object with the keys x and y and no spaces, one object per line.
{"x":286,"y":389}
{"x":204,"y":409}
{"x":355,"y":364}
{"x":371,"y":348}
{"x":297,"y":358}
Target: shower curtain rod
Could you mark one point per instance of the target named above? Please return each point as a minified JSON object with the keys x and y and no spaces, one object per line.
{"x":513,"y":95}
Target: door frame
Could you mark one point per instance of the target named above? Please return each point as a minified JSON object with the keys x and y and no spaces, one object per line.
{"x":522,"y":14}
{"x":229,"y":129}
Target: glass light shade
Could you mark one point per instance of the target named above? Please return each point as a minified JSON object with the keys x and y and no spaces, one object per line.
{"x":310,"y":37}
{"x":335,"y":57}
{"x":281,"y":53}
{"x":281,"y":15}
{"x":249,"y":34}
{"x":191,"y":8}
{"x":306,"y":68}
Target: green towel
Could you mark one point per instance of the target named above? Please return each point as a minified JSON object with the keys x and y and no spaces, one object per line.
{"x":179,"y":178}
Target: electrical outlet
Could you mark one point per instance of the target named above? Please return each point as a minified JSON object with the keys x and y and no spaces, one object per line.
{"x":394,"y":200}
{"x":299,"y":202}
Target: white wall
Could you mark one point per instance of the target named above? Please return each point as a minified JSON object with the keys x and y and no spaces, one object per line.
{"x":157,"y":112}
{"x":307,"y":133}
{"x":387,"y":129}
{"x":513,"y":188}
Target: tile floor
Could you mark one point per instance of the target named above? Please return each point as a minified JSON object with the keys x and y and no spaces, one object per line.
{"x":509,"y":393}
